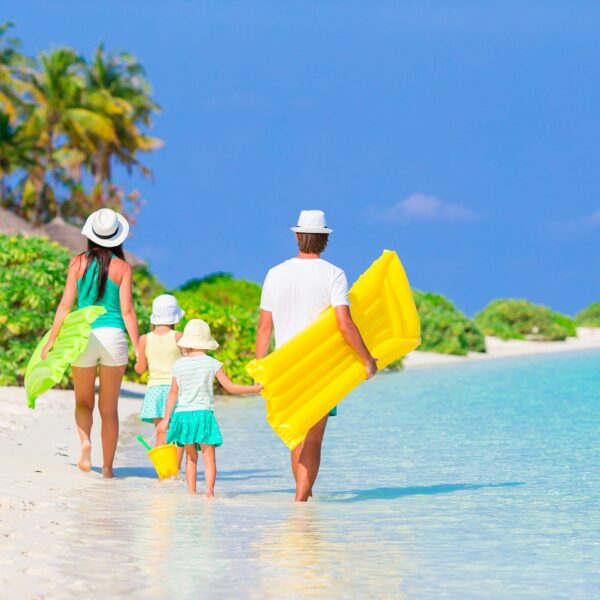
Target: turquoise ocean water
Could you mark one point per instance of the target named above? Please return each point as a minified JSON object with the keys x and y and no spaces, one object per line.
{"x":472,"y":481}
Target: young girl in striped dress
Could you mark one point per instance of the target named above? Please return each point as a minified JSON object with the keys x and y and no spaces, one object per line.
{"x":193,"y":424}
{"x":158,"y":351}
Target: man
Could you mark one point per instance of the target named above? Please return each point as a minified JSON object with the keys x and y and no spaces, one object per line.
{"x":294,"y":294}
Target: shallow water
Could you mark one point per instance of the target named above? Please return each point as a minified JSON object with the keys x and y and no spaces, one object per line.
{"x":468,"y":481}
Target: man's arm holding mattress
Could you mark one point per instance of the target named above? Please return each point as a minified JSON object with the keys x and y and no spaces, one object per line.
{"x":263,"y":333}
{"x":351,"y":334}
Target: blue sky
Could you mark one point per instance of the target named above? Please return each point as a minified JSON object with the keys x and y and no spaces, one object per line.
{"x":463,"y":135}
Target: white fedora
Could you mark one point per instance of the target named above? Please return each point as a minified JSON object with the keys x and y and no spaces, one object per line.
{"x":106,"y":227}
{"x":311,"y":221}
{"x":165,"y":310}
{"x":196,"y":335}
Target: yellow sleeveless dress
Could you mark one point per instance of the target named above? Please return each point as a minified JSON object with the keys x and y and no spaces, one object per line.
{"x":161,"y":353}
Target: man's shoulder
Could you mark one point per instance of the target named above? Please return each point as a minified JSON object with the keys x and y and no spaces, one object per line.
{"x":331,"y":267}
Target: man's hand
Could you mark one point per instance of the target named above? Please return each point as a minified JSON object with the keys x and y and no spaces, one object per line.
{"x":371,"y":367}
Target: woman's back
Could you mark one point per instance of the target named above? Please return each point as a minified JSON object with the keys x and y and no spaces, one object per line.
{"x":87,"y":291}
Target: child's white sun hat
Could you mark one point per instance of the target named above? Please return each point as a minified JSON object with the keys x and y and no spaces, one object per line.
{"x":196,"y":335}
{"x":165,"y":310}
{"x":106,"y":227}
{"x":312,"y":221}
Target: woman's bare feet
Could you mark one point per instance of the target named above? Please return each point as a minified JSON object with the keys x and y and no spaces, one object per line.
{"x":85,"y":461}
{"x":107,"y":473}
{"x":209,"y":494}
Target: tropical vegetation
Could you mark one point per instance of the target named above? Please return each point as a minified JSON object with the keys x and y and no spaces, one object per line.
{"x":521,"y":319}
{"x":444,"y":328}
{"x":67,"y":124}
{"x":590,"y":316}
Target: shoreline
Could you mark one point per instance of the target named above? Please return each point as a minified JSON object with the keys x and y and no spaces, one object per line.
{"x":588,"y":338}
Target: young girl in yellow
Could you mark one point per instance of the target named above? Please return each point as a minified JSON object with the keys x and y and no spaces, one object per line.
{"x":158,"y":351}
{"x":193,"y":424}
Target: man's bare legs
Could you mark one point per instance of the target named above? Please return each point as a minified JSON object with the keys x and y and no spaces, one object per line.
{"x":110,"y":385}
{"x":306,"y":460}
{"x":84,"y":381}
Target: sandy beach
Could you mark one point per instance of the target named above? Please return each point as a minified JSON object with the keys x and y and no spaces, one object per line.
{"x":588,"y":338}
{"x":41,"y":484}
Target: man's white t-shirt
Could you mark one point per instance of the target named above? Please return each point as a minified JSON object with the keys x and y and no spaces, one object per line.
{"x":298,"y":290}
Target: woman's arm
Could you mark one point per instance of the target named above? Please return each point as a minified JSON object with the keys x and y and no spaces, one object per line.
{"x":141,"y":365}
{"x":234,"y":388}
{"x":263,"y":333}
{"x":171,"y":400}
{"x":351,"y":334}
{"x":64,"y":306}
{"x":127,"y":310}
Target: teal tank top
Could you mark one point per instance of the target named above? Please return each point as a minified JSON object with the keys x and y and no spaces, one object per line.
{"x":86,"y":296}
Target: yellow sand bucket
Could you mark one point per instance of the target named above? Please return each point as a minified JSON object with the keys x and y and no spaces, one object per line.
{"x":164,"y":459}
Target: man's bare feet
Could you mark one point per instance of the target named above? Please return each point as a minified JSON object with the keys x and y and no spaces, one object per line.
{"x":85,"y":461}
{"x":209,"y":494}
{"x":107,"y":473}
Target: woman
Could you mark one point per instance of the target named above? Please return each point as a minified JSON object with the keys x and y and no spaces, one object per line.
{"x":101,"y":277}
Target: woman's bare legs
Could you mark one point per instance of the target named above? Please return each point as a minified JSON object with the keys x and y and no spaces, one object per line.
{"x":108,"y":399}
{"x":84,"y":381}
{"x":210,"y":468}
{"x":161,"y":438}
{"x":191,"y":467}
{"x":308,"y":461}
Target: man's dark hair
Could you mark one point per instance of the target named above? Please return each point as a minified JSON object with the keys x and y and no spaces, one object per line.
{"x":312,"y":243}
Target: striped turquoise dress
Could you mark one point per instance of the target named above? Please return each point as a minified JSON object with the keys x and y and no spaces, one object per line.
{"x":193,"y":421}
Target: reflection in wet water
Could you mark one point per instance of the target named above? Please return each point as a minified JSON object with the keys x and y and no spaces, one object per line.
{"x":451,"y":486}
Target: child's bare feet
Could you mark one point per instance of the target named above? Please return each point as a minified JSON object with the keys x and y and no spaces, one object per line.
{"x":85,"y":461}
{"x":107,"y":473}
{"x":209,"y":494}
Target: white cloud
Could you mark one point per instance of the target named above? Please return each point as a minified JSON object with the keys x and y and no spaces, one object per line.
{"x":585,"y":223}
{"x":420,"y":207}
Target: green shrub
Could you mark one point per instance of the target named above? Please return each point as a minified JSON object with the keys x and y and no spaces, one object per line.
{"x":32,"y":276}
{"x":444,"y":328}
{"x":590,"y":316}
{"x":224,"y":290}
{"x":521,"y":319}
{"x":233,"y":326}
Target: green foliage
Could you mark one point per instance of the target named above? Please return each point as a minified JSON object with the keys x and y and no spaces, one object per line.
{"x":521,"y":319}
{"x":66,"y":122}
{"x":33,"y":272}
{"x":444,"y":328}
{"x":590,"y":316}
{"x":223,"y":289}
{"x":232,"y":325}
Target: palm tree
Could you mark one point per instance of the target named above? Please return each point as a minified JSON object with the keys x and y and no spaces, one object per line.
{"x":12,"y":62}
{"x":116,"y":86}
{"x":66,"y":130}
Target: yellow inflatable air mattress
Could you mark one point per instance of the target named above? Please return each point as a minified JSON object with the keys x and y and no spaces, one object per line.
{"x":311,"y":373}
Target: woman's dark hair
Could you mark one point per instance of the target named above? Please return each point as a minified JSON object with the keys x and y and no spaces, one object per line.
{"x":102,"y":257}
{"x":312,"y":243}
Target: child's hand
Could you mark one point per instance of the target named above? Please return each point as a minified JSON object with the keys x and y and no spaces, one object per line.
{"x":46,"y":349}
{"x":163,"y":426}
{"x":257,"y":388}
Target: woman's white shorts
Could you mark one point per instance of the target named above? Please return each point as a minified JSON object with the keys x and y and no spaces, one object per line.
{"x":107,"y":346}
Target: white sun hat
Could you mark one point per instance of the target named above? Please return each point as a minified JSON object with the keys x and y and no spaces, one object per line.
{"x":312,"y":221}
{"x":196,"y":335}
{"x":165,"y":310}
{"x":106,"y":227}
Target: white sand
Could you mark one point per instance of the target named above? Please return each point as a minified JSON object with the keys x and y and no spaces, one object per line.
{"x":588,"y":338}
{"x":39,"y":483}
